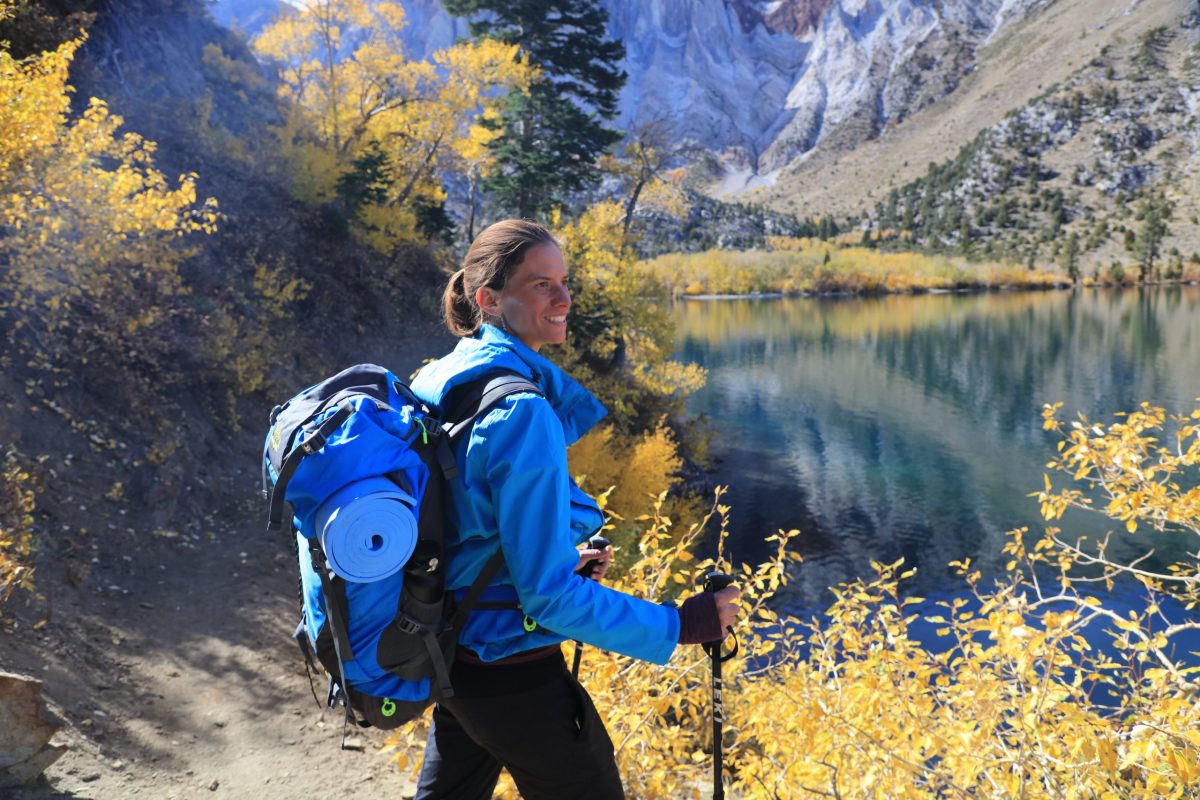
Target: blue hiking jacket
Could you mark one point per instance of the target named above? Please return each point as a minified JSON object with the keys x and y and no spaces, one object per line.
{"x":513,"y":491}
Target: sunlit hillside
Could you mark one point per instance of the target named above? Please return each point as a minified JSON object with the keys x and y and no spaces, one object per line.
{"x":1048,"y":55}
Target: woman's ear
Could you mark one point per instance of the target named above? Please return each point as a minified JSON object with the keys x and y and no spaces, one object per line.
{"x":488,"y":300}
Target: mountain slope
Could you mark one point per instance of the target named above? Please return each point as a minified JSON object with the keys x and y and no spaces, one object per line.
{"x":759,"y":83}
{"x":1014,"y":68}
{"x":1083,"y":174}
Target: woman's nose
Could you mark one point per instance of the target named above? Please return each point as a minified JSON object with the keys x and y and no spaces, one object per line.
{"x":564,"y":295}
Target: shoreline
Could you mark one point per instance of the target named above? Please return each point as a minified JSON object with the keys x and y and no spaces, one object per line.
{"x":1033,"y":287}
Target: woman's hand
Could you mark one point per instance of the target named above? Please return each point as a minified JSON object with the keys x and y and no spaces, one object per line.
{"x":707,"y":616}
{"x":727,"y":606}
{"x":603,"y":559}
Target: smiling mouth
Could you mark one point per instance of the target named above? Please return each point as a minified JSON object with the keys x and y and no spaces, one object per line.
{"x":562,"y":320}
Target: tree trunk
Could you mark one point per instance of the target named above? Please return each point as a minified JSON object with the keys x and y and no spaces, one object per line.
{"x":525,"y":206}
{"x":630,"y":207}
{"x":472,"y":201}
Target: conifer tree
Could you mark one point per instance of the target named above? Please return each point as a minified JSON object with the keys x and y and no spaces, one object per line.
{"x":552,"y":135}
{"x":1071,"y":257}
{"x":1146,"y":244}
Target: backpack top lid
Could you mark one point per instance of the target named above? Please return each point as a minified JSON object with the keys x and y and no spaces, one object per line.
{"x":381,"y":429}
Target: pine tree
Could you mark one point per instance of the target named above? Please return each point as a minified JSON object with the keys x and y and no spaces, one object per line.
{"x":1147,"y":243}
{"x":552,"y":135}
{"x":1071,"y":257}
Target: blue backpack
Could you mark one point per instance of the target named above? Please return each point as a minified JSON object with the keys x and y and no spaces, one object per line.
{"x":386,"y":637}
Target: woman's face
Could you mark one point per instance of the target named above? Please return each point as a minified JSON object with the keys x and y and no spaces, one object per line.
{"x":535,"y":301}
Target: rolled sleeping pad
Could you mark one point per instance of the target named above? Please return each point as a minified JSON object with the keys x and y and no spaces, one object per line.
{"x":367,"y":529}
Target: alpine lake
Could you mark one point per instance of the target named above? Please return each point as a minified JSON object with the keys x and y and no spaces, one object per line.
{"x":910,"y":426}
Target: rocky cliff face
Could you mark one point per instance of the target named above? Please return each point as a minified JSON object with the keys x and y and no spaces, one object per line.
{"x":763,"y":83}
{"x":870,"y":65}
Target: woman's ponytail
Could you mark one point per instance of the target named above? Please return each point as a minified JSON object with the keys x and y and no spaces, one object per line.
{"x":493,"y":257}
{"x":461,"y":314}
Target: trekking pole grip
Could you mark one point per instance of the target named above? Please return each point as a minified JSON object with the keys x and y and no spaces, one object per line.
{"x":715,"y":581}
{"x":597,"y":542}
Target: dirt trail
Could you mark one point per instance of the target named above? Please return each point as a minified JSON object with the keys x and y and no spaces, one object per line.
{"x":174,"y":668}
{"x":166,"y":644}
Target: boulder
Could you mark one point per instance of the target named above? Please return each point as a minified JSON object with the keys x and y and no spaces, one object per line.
{"x":26,"y":726}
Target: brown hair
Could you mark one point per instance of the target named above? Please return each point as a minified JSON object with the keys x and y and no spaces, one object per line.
{"x":491,"y":261}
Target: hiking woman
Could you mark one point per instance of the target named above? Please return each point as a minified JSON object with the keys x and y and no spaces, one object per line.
{"x":515,"y":703}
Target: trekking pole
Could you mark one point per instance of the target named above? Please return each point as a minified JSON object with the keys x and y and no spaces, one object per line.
{"x":595,"y":543}
{"x":715,"y":582}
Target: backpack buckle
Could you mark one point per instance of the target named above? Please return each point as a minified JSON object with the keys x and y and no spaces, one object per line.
{"x":407,"y":624}
{"x":313,"y":443}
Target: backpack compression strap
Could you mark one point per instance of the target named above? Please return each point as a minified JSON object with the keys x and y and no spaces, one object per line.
{"x":333,"y":615}
{"x":292,"y":460}
{"x":481,"y":582}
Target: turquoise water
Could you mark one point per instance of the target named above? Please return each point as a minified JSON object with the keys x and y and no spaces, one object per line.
{"x":910,"y":426}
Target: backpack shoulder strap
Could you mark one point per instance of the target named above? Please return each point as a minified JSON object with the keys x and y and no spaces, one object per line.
{"x":481,"y":582}
{"x":475,"y":399}
{"x":480,"y":396}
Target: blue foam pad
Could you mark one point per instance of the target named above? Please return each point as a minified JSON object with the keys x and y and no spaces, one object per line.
{"x":367,"y":529}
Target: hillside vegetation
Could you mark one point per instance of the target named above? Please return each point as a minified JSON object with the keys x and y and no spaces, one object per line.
{"x":813,"y":266}
{"x":1079,"y":120}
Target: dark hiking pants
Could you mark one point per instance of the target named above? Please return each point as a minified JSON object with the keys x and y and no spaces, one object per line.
{"x":533,"y":719}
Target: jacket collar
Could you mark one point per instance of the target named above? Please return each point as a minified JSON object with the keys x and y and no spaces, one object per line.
{"x":492,"y":348}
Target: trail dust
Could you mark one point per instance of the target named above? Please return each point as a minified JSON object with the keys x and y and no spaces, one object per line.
{"x":174,"y":668}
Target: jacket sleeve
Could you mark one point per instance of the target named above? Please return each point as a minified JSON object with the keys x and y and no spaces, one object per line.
{"x":525,"y":463}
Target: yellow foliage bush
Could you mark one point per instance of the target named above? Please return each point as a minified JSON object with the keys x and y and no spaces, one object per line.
{"x":797,"y":266}
{"x":1144,"y":468}
{"x":89,"y":230}
{"x":621,"y":335}
{"x":594,"y":462}
{"x":241,"y":335}
{"x":632,"y":472}
{"x":17,"y":503}
{"x":849,"y":704}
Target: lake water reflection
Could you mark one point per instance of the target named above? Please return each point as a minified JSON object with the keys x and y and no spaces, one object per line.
{"x":910,"y":426}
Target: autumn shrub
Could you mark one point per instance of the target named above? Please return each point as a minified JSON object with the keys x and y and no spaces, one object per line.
{"x":17,"y":503}
{"x":626,"y":473}
{"x":242,"y":342}
{"x":630,"y":470}
{"x":91,"y":233}
{"x":1010,"y":695}
{"x":804,"y":266}
{"x":372,"y":133}
{"x":1140,"y":471}
{"x":621,"y":336}
{"x":1017,"y":697}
